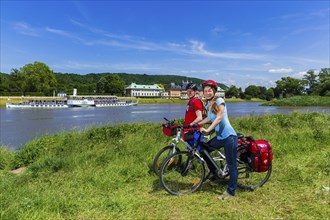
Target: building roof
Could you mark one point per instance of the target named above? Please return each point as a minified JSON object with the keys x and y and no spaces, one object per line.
{"x":148,"y":87}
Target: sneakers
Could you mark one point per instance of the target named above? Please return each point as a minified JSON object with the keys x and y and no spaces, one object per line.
{"x":211,"y":176}
{"x":225,"y":196}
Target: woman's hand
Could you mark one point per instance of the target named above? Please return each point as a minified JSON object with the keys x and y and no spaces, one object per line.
{"x":202,"y":130}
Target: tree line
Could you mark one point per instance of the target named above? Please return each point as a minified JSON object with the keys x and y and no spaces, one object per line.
{"x":312,"y":84}
{"x":38,"y":79}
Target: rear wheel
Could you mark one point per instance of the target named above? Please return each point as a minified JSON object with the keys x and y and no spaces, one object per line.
{"x":249,"y":179}
{"x":162,"y":155}
{"x":182,"y":173}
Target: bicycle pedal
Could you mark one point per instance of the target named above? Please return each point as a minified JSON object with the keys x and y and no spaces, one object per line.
{"x":195,"y":183}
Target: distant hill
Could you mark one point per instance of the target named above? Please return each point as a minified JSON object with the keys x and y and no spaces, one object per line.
{"x":146,"y":79}
{"x":86,"y":84}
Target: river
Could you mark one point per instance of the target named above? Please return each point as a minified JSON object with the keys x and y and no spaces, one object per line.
{"x":18,"y":126}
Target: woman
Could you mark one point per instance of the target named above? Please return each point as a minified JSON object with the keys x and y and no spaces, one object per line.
{"x":225,"y":134}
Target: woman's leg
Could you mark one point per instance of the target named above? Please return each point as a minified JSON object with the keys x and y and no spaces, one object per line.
{"x":231,"y":155}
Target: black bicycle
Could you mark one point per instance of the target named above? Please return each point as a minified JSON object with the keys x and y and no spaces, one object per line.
{"x":184,"y":172}
{"x":179,"y":134}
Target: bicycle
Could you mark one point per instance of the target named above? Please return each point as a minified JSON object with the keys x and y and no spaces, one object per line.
{"x":172,"y":129}
{"x":184,"y":172}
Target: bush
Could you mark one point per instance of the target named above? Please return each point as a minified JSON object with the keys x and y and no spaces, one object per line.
{"x":6,"y":158}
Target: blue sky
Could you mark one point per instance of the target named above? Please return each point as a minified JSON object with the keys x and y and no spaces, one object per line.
{"x":237,"y":43}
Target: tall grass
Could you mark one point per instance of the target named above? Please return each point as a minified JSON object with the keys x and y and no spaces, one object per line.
{"x":105,"y":173}
{"x":300,"y":101}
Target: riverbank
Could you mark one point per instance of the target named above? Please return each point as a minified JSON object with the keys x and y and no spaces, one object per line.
{"x":105,"y":173}
{"x":300,"y":101}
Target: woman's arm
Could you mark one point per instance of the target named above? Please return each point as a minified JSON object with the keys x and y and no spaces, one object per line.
{"x":204,"y":121}
{"x":216,"y":121}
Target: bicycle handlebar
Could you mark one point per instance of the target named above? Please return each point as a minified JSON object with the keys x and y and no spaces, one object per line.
{"x":195,"y":126}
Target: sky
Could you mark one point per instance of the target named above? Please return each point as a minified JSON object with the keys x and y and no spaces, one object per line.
{"x":238,"y":43}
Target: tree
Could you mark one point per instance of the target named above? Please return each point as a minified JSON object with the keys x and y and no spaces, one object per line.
{"x":111,"y":84}
{"x":262,"y":92}
{"x":311,"y":79}
{"x":232,"y":92}
{"x":323,"y":88}
{"x":269,"y":94}
{"x":289,"y":86}
{"x":36,"y":77}
{"x":117,"y":85}
{"x":252,"y":91}
{"x":17,"y":81}
{"x":101,"y":85}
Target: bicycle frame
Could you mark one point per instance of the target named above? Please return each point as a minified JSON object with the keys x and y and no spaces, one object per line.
{"x":178,"y":138}
{"x":184,"y":172}
{"x":222,"y":171}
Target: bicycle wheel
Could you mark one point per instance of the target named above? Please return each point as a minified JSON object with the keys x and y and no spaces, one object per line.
{"x":249,"y":179}
{"x":182,"y":173}
{"x":162,"y":155}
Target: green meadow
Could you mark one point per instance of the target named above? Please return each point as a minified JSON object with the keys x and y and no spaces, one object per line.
{"x":300,"y":101}
{"x":105,"y":173}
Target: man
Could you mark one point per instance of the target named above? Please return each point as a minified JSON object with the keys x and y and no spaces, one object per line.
{"x":194,"y":107}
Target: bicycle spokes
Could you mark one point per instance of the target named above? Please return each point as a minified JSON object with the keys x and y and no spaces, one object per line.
{"x":249,"y":179}
{"x":182,"y":174}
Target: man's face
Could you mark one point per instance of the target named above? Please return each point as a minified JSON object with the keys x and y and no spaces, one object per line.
{"x":190,"y":93}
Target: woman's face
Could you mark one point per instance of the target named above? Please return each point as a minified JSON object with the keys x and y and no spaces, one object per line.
{"x":208,"y":92}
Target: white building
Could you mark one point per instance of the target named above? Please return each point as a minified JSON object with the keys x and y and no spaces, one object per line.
{"x":135,"y":90}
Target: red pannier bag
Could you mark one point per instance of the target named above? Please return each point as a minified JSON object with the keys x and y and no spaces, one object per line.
{"x":170,"y":129}
{"x":261,"y":154}
{"x":188,"y":134}
{"x":242,"y":150}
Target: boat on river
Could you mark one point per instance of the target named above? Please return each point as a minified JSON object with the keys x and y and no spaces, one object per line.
{"x":74,"y":101}
{"x":39,"y":104}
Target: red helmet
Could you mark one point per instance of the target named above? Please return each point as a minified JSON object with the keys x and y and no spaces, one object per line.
{"x":210,"y":83}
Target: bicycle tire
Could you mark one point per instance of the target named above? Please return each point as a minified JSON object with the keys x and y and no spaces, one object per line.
{"x":249,"y":179}
{"x":162,"y":155}
{"x":182,"y":173}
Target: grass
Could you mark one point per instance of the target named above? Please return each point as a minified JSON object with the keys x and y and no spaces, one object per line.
{"x":105,"y":173}
{"x":300,"y":101}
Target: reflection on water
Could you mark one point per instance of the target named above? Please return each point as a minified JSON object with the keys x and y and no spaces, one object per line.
{"x":20,"y":125}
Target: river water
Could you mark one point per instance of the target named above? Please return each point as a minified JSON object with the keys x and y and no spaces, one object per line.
{"x":21,"y":125}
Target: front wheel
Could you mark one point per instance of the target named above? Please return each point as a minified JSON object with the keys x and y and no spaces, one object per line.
{"x":164,"y":153}
{"x":249,"y":179}
{"x":182,"y":173}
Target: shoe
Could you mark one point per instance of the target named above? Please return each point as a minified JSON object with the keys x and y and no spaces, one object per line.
{"x":211,"y":176}
{"x":225,"y":196}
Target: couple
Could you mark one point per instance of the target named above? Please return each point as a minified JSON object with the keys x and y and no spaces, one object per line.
{"x":225,"y":134}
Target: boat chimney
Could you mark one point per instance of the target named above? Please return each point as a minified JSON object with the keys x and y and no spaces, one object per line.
{"x":74,"y":92}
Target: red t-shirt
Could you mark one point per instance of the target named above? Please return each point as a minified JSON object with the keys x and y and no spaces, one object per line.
{"x":193,"y":105}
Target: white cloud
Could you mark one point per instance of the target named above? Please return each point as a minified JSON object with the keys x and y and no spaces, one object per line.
{"x":299,"y":74}
{"x":269,"y":47}
{"x":25,"y":29}
{"x":197,"y":48}
{"x":218,"y":30}
{"x":281,"y":70}
{"x":63,"y":33}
